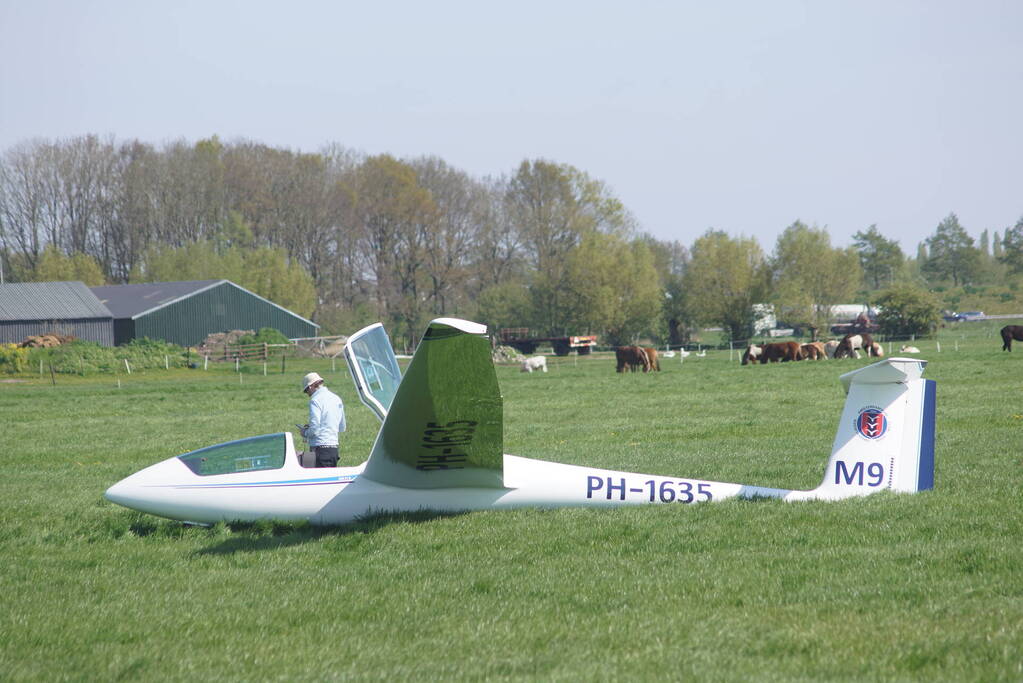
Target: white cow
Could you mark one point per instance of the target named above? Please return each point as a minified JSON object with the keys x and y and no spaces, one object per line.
{"x":829,"y":348}
{"x":909,"y":349}
{"x":534,"y":363}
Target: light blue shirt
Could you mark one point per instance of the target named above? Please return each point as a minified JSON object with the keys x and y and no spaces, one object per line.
{"x":326,"y":418}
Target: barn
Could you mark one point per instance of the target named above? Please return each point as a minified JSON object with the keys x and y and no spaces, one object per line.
{"x":185,"y":312}
{"x":65,"y":308}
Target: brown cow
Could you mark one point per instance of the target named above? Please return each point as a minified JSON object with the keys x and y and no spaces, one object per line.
{"x":772,"y":353}
{"x":651,"y":356}
{"x":814,"y":351}
{"x":632,"y":357}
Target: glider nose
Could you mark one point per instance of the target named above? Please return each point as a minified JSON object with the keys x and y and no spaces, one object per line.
{"x":123,"y":493}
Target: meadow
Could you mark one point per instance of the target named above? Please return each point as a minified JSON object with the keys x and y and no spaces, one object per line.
{"x":890,"y":587}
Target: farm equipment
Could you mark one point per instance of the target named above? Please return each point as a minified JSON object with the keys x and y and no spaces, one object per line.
{"x":519,"y":339}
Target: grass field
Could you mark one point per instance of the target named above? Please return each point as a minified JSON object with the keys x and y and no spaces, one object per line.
{"x":891,"y":587}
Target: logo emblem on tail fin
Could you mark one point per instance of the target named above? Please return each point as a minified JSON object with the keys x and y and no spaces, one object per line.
{"x":871,"y":423}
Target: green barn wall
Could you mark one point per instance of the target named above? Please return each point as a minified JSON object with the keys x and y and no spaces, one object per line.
{"x":223,"y":307}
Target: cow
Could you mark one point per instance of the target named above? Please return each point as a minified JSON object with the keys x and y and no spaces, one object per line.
{"x":631,"y":357}
{"x":909,"y":349}
{"x":652,"y":362}
{"x":813,"y":351}
{"x":1010,"y":332}
{"x":851,"y":344}
{"x":878,"y":350}
{"x":534,"y":363}
{"x":829,"y":348}
{"x":772,"y":353}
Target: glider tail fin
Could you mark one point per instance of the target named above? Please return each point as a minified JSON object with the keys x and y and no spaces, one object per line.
{"x":444,"y":427}
{"x":885,"y":439}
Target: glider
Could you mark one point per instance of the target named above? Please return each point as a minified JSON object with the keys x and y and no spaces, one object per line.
{"x":440,"y":448}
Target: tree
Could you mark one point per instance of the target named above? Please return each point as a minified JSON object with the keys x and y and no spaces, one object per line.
{"x":503,"y":305}
{"x":612,"y":287}
{"x":671,"y":260}
{"x":25,"y":199}
{"x":952,"y":254}
{"x":498,"y":249}
{"x":553,"y":206}
{"x":392,"y":214}
{"x":448,"y":241}
{"x":1012,"y":248}
{"x":810,"y":276}
{"x":905,"y":310}
{"x":55,"y":266}
{"x":880,"y":258}
{"x":725,"y":277}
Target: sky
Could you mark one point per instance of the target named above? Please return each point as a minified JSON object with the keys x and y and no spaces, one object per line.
{"x":741,"y":116}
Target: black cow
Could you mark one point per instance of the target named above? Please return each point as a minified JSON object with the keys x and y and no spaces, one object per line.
{"x":1010,"y":332}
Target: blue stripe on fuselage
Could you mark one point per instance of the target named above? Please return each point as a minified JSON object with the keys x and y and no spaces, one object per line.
{"x":925,"y":478}
{"x":345,"y":479}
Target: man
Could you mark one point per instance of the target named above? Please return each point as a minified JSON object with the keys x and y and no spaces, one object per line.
{"x":326,"y":420}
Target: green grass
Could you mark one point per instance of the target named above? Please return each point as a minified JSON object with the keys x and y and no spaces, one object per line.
{"x":892,"y":587}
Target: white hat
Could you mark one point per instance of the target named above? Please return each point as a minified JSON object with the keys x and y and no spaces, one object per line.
{"x":310,"y":379}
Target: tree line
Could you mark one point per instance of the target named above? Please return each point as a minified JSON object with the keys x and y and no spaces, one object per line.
{"x":347,"y":238}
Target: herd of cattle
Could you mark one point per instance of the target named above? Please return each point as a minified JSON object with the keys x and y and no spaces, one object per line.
{"x":849,"y":347}
{"x":635,"y":358}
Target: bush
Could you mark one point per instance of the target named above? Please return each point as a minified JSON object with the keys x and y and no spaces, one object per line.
{"x":85,"y":356}
{"x":13,"y":359}
{"x":906,"y":310}
{"x":266,"y":335}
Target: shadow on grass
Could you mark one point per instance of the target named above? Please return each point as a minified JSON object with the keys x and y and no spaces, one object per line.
{"x":247,"y":537}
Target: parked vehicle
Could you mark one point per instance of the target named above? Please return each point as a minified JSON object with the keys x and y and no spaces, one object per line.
{"x":954,"y":317}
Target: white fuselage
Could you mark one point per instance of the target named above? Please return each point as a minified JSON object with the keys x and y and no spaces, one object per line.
{"x":340,"y":495}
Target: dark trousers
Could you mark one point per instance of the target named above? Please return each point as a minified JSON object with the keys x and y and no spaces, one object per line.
{"x":326,"y":456}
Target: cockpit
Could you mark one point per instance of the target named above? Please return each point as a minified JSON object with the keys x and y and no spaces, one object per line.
{"x":374,"y":369}
{"x":244,"y":455}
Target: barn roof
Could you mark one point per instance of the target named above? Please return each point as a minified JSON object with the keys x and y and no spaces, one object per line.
{"x":131,"y":301}
{"x":49,"y":301}
{"x":135,"y":301}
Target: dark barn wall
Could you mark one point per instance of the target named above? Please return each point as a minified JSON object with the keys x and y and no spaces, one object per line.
{"x":124,"y":330}
{"x":94,"y":330}
{"x":220,"y":308}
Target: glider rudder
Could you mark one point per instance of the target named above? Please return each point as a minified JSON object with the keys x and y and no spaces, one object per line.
{"x":885,"y":438}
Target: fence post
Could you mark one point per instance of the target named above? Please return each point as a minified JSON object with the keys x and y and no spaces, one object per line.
{"x":265,"y":354}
